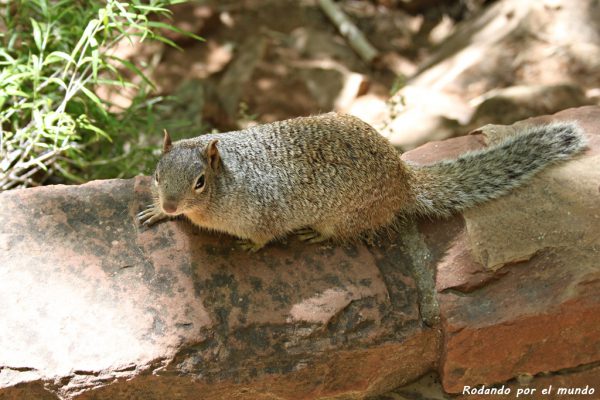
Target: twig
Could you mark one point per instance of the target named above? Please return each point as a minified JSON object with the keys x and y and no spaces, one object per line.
{"x":353,"y":35}
{"x":12,"y":180}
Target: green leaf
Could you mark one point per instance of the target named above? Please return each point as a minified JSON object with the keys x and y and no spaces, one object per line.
{"x":37,"y":34}
{"x":167,"y":41}
{"x":82,"y":62}
{"x":96,"y":130}
{"x":71,"y":176}
{"x":125,"y":13}
{"x":152,"y":8}
{"x":130,"y":66}
{"x":16,"y":77}
{"x":40,"y":164}
{"x":59,"y":82}
{"x":92,"y":96}
{"x":7,"y":56}
{"x":95,"y":57}
{"x":44,"y":8}
{"x":18,"y":93}
{"x":56,"y":56}
{"x":36,"y":63}
{"x":87,"y":33}
{"x":162,"y":25}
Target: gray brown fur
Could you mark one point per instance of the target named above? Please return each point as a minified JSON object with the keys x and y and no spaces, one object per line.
{"x":450,"y":186}
{"x":337,"y":176}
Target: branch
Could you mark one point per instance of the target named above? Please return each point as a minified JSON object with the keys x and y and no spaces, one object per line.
{"x":353,"y":35}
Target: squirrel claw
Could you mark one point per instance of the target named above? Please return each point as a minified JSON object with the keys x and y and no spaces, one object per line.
{"x":151,"y":215}
{"x":304,"y":231}
{"x":311,"y":236}
{"x":250,"y":246}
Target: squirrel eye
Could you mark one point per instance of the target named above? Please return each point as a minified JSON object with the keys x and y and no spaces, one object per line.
{"x":200,"y":182}
{"x":156,"y":176}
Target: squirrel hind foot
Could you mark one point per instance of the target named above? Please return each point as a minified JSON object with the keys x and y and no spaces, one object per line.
{"x":303,"y":231}
{"x":250,"y":246}
{"x":310,"y":235}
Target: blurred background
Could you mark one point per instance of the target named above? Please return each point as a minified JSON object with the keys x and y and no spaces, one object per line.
{"x":434,"y":69}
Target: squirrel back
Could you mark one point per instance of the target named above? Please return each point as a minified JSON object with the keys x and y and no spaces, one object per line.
{"x":335,"y":177}
{"x":272,"y":179}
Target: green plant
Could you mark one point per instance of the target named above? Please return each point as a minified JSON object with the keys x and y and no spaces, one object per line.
{"x":53,"y":54}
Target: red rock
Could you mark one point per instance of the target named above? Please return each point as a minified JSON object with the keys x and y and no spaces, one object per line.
{"x":519,"y":287}
{"x":547,"y":386}
{"x":96,"y":307}
{"x":90,"y":298}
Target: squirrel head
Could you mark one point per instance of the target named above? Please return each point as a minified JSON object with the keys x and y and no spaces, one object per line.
{"x":185,"y":175}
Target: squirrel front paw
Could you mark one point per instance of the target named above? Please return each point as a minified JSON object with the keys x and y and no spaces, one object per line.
{"x":151,"y":215}
{"x":250,"y":246}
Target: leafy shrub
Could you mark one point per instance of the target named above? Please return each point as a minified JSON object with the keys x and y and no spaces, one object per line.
{"x":52,"y":56}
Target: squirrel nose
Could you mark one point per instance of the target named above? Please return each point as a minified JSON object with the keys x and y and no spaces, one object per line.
{"x":169,"y":207}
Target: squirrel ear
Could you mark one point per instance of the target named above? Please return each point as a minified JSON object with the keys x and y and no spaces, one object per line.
{"x":167,"y":145}
{"x":212,"y":154}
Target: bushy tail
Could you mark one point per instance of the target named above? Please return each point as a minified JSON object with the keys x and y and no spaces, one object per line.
{"x":451,"y":186}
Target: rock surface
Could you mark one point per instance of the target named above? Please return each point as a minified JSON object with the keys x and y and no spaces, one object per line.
{"x":519,"y":287}
{"x":513,"y":60}
{"x":91,"y":299}
{"x":95,"y":307}
{"x":507,"y":105}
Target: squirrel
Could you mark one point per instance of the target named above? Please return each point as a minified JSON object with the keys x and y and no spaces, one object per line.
{"x":333,"y":176}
